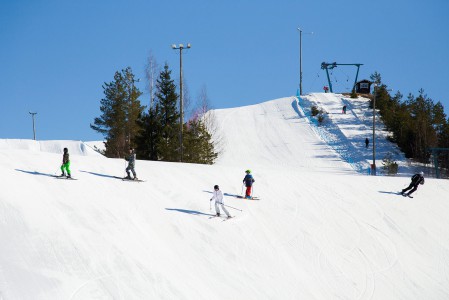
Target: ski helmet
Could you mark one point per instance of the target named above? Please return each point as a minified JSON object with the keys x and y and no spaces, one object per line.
{"x":248,"y":171}
{"x":65,"y":149}
{"x":216,"y":187}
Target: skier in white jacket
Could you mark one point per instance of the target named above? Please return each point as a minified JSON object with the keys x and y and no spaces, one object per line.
{"x":218,"y":197}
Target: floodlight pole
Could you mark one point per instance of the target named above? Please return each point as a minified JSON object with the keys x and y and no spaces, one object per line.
{"x":181,"y":99}
{"x":34,"y":128}
{"x":300,"y":59}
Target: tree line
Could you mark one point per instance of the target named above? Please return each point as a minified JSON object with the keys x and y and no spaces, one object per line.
{"x":154,"y":132}
{"x":417,"y":123}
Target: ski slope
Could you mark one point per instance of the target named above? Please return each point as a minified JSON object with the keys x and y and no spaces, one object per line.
{"x":320,"y":231}
{"x":346,"y":133}
{"x":274,"y":134}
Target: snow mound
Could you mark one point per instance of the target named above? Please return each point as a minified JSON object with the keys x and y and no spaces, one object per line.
{"x":74,"y":147}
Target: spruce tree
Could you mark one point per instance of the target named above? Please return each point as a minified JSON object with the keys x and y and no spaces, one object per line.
{"x":168,"y":116}
{"x":120,"y":109}
{"x":199,"y":147}
{"x":148,"y":138}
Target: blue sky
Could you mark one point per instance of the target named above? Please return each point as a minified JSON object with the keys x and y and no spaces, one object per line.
{"x":55,"y":55}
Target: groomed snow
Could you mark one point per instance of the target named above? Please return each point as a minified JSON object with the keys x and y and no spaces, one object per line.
{"x":320,"y":231}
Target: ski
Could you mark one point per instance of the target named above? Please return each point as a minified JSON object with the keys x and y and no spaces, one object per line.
{"x":222,"y":217}
{"x":240,"y":197}
{"x":252,"y":198}
{"x":406,"y":195}
{"x":126,"y":179}
{"x":133,"y":180}
{"x":65,"y":177}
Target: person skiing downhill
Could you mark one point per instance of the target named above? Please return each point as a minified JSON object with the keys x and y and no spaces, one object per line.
{"x":417,"y":179}
{"x":131,"y":159}
{"x":66,"y":164}
{"x":248,"y":181}
{"x":218,"y":197}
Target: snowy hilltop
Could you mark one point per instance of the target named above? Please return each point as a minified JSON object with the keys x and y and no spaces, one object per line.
{"x":321,"y":230}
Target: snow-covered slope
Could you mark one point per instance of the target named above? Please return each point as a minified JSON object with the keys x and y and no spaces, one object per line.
{"x":320,"y":231}
{"x":274,"y":134}
{"x":345,"y":133}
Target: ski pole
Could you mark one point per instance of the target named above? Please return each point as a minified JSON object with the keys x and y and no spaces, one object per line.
{"x":232,"y":207}
{"x":242,"y":189}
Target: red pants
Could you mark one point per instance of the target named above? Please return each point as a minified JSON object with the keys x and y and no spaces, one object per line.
{"x":248,"y":191}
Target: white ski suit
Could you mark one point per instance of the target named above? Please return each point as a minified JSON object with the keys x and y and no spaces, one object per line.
{"x":218,"y":197}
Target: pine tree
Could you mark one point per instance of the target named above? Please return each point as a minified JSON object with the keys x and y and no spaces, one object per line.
{"x":425,"y":135}
{"x":199,"y":147}
{"x":167,"y":98}
{"x":120,"y":110}
{"x":148,"y":138}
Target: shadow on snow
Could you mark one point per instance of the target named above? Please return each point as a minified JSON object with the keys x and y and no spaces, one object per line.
{"x":36,"y":173}
{"x":190,"y":212}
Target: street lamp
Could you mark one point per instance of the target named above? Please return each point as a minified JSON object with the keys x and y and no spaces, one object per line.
{"x":34,"y":128}
{"x":181,"y":117}
{"x":300,"y":59}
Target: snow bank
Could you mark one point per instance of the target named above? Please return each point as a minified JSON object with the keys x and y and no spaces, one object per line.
{"x":74,"y":147}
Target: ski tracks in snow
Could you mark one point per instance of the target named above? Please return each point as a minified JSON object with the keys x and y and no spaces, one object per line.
{"x":371,"y":251}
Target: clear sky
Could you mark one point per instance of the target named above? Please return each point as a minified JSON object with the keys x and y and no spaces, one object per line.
{"x":55,"y":55}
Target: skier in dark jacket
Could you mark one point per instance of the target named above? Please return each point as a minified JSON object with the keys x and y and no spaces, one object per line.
{"x":65,"y":163}
{"x":248,"y":181}
{"x":131,"y":159}
{"x":417,"y":179}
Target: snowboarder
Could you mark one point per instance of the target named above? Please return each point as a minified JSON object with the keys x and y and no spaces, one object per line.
{"x":344,"y":109}
{"x":248,"y":181}
{"x":131,"y":159}
{"x":218,"y":197}
{"x":417,"y":179}
{"x":366,"y":142}
{"x":66,"y":163}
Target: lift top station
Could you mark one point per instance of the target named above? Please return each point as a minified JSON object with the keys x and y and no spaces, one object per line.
{"x":327,"y":66}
